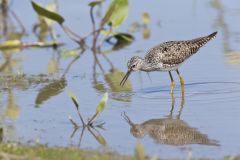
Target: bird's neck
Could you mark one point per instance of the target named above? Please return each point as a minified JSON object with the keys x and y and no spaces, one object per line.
{"x":145,"y":66}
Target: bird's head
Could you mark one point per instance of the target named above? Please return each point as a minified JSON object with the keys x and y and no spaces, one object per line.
{"x":134,"y":64}
{"x":138,"y":131}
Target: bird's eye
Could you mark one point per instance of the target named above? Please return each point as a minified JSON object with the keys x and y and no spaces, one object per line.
{"x":133,"y":66}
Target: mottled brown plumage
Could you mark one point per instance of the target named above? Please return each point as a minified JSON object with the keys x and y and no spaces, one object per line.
{"x":167,"y":57}
{"x":173,"y":53}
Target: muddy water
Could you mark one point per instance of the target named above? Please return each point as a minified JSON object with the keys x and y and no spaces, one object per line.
{"x":204,"y":122}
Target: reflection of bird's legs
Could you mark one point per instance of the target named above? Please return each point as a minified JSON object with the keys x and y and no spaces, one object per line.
{"x":182,"y":105}
{"x":172,"y":81}
{"x":181,"y":81}
{"x":173,"y":104}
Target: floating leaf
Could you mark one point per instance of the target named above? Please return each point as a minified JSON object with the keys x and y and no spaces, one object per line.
{"x":145,"y":18}
{"x":50,"y":90}
{"x":46,"y":13}
{"x":74,"y":99}
{"x":102,"y":103}
{"x":116,"y":13}
{"x":94,"y":3}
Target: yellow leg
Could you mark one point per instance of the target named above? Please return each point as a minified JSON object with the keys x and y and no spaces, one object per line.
{"x":181,"y":81}
{"x":172,"y":87}
{"x":172,"y":82}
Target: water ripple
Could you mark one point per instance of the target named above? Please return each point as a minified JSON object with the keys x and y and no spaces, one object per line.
{"x":204,"y":92}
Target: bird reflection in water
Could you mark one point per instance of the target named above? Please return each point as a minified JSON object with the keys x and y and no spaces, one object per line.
{"x":170,"y":130}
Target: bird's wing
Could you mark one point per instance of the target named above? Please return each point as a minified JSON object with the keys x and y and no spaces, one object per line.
{"x":170,"y":53}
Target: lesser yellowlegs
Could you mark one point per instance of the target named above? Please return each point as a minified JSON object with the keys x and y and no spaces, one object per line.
{"x":167,"y":56}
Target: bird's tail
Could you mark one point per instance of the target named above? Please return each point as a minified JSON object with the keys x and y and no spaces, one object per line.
{"x":203,"y":40}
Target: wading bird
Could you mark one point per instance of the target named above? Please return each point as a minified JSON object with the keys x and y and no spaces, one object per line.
{"x":167,"y":56}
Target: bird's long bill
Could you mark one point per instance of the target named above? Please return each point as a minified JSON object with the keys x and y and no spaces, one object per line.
{"x":125,"y":78}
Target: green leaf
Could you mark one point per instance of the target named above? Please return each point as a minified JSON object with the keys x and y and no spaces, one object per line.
{"x":74,"y":99}
{"x":102,"y":103}
{"x":116,"y":13}
{"x":94,"y":3}
{"x":46,"y":13}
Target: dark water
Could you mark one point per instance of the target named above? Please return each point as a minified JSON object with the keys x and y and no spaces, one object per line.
{"x":205,"y":122}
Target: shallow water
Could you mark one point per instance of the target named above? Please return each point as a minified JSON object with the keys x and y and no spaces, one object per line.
{"x":209,"y":109}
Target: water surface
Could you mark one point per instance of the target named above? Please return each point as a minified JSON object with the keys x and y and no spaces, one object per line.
{"x":206,"y":118}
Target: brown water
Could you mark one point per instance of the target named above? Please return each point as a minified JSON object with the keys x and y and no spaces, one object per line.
{"x":205,"y":121}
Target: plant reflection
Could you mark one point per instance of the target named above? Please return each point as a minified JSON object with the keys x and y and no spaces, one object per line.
{"x":112,"y":80}
{"x":50,"y":90}
{"x":233,"y":57}
{"x":171,"y":130}
{"x":93,"y":131}
{"x":6,"y":18}
{"x":143,"y":25}
{"x":91,"y":127}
